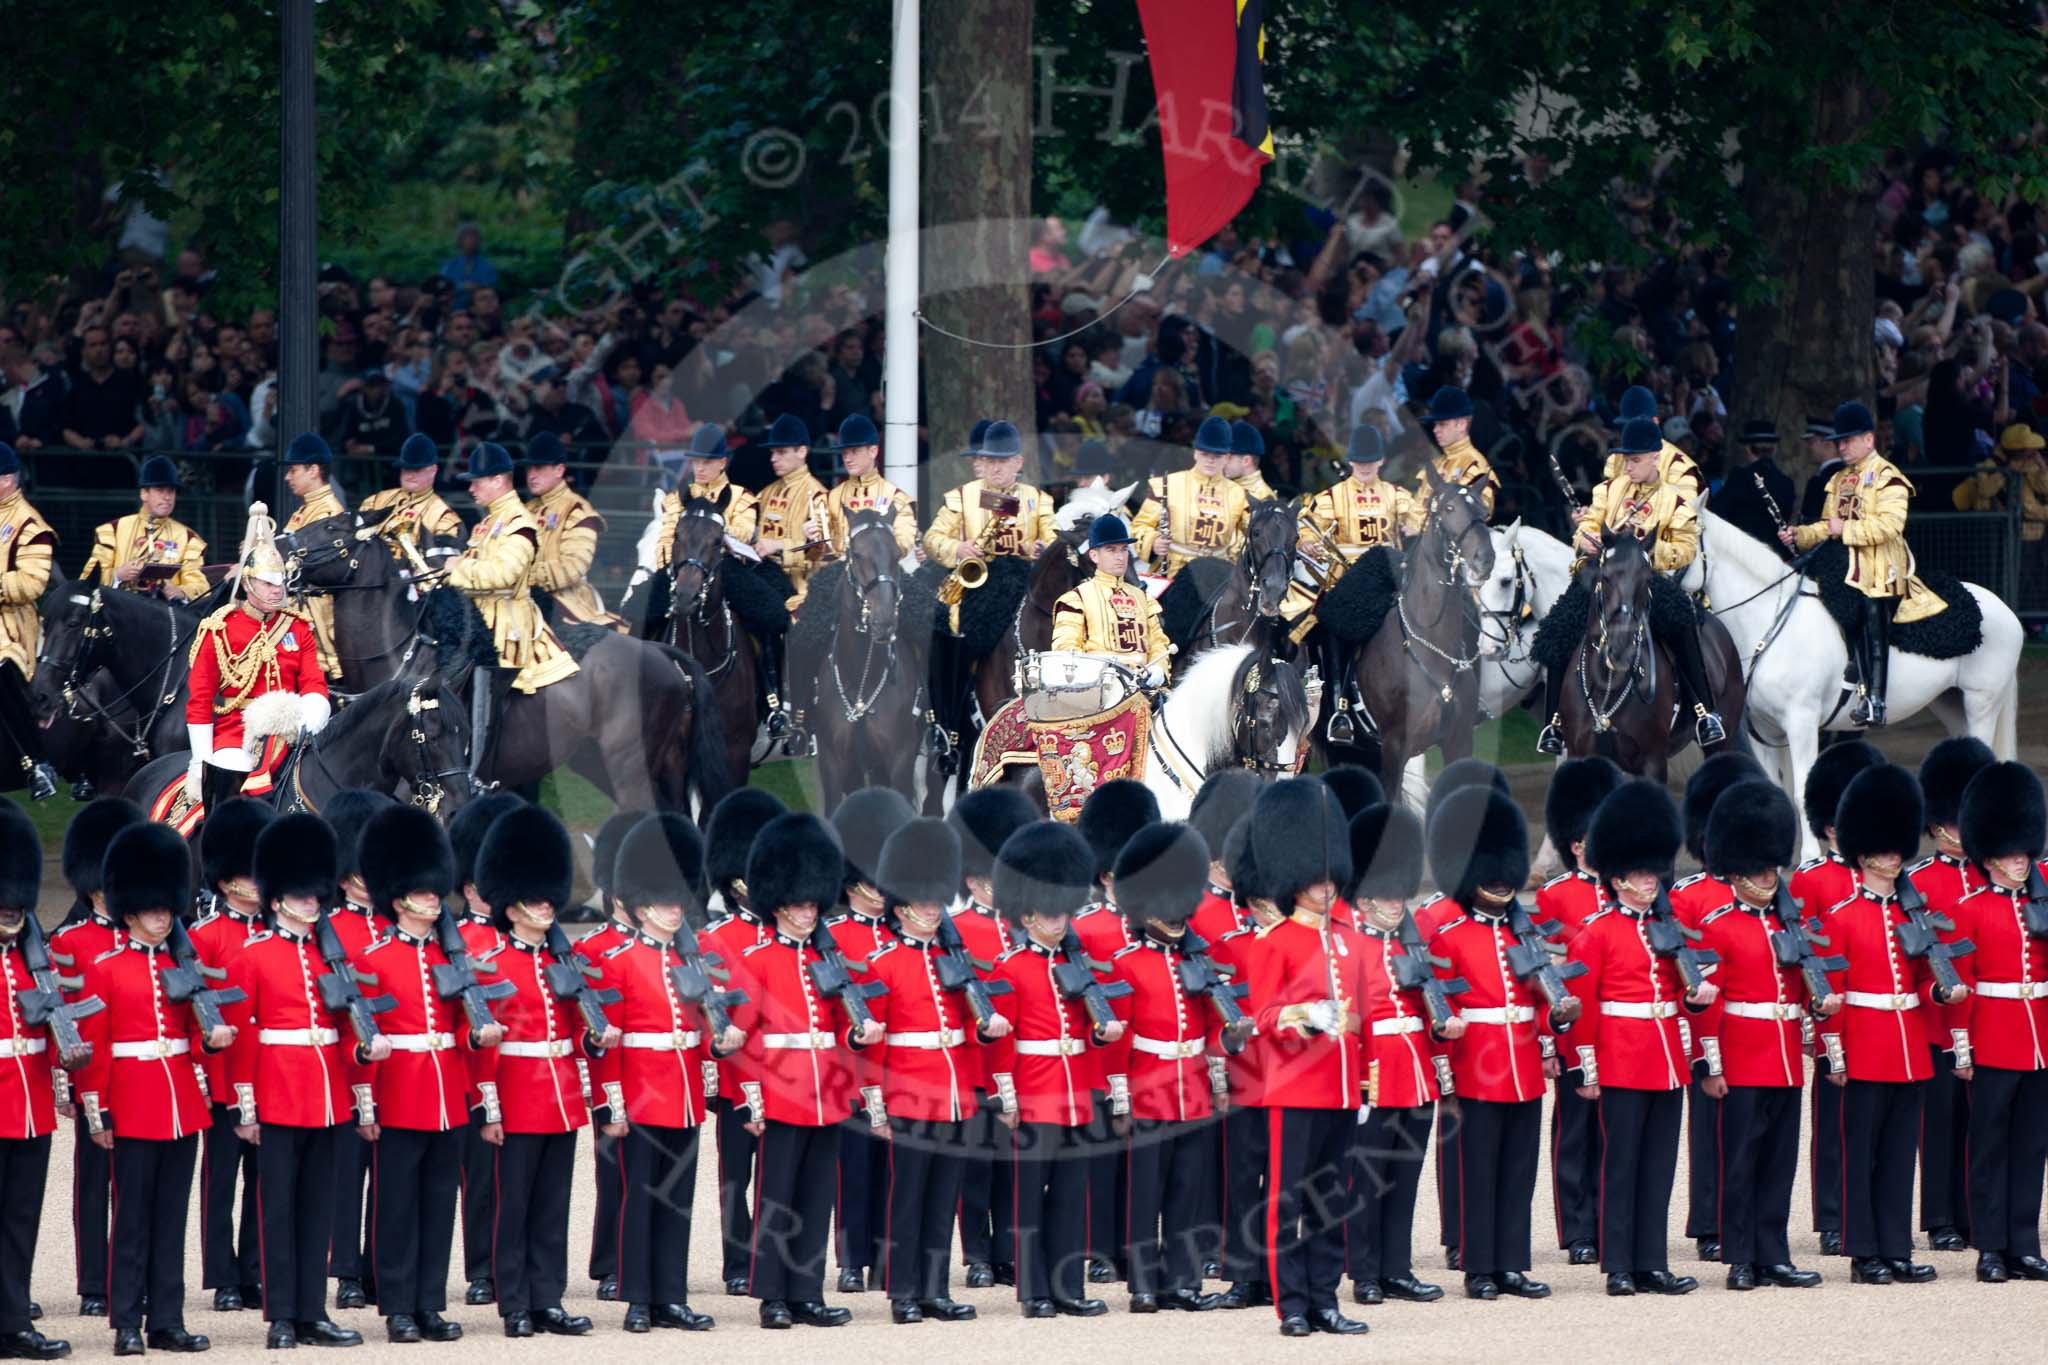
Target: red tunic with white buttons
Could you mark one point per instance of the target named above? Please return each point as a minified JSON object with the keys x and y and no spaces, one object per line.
{"x":1434,"y":916}
{"x":424,"y":1084}
{"x":1883,"y":1022}
{"x":28,"y":1103}
{"x":1163,"y":1054}
{"x":1235,"y":952}
{"x":2006,"y":1011}
{"x":1401,"y":1065}
{"x":1047,"y":1060}
{"x":143,"y":1045}
{"x":728,"y":941}
{"x":1632,"y":999}
{"x":797,"y":1066}
{"x":1694,"y":898}
{"x":1215,"y":915}
{"x":987,"y":936}
{"x":1305,"y":958}
{"x":291,"y":1056}
{"x":1821,"y":884}
{"x":1103,"y":931}
{"x":1569,"y":900}
{"x":1499,"y":1058}
{"x":530,"y":1077}
{"x":356,"y":928}
{"x":76,"y":945}
{"x":1754,"y":1023}
{"x":656,"y":1074}
{"x":858,"y":938}
{"x":931,"y":1061}
{"x":287,"y":636}
{"x":1942,"y":882}
{"x":217,"y":939}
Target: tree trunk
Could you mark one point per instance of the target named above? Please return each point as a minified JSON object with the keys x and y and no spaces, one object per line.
{"x":977,"y":208}
{"x":1808,"y":347}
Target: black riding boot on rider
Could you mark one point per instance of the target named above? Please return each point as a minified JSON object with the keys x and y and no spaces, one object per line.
{"x":1692,"y":678}
{"x":488,"y":690}
{"x":777,"y":709}
{"x":17,"y":718}
{"x":1875,"y":666}
{"x":1347,"y":712}
{"x":946,"y":681}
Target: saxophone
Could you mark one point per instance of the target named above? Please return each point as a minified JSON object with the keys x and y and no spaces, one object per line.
{"x":972,"y":573}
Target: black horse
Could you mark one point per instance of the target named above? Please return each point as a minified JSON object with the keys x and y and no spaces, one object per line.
{"x":700,"y":622}
{"x":1232,"y":601}
{"x":137,"y":647}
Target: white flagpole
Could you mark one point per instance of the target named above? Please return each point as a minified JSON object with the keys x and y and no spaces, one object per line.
{"x":899,"y":448}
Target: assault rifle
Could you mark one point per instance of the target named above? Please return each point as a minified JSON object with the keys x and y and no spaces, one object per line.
{"x":695,"y":976}
{"x":2035,"y":911}
{"x":341,"y":987}
{"x":455,"y":979}
{"x":958,"y":971}
{"x":833,"y":976}
{"x":1799,"y":945}
{"x":186,"y":981}
{"x":1199,"y":975}
{"x":573,"y":982}
{"x":44,"y":1006}
{"x":1076,"y":980}
{"x":1920,"y":936}
{"x":1531,"y":957}
{"x":1412,"y":972}
{"x":1670,"y":938}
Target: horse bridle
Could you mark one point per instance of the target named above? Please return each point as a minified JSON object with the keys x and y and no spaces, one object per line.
{"x":1248,"y":728}
{"x":697,"y":608}
{"x":81,"y":708}
{"x":1451,"y":562}
{"x":302,"y":557}
{"x":1634,"y":675}
{"x":855,"y":709}
{"x":1509,"y":619}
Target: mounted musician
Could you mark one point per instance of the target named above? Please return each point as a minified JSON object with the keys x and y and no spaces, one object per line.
{"x":151,"y":551}
{"x":1361,"y":515}
{"x":569,"y":527}
{"x":1106,"y":616}
{"x":1241,"y":465}
{"x":859,"y":447}
{"x":1458,"y":460}
{"x":416,"y":510}
{"x":794,"y":498}
{"x":1194,"y":513}
{"x":27,"y":553}
{"x":708,"y":456}
{"x":1674,"y":466}
{"x":1640,"y":503}
{"x":306,"y":463}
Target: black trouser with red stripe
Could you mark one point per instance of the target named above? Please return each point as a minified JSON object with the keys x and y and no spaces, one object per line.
{"x":1494,"y":1160}
{"x":1167,"y":1161}
{"x":861,"y":1200}
{"x":1386,"y":1173}
{"x":1703,"y":1162}
{"x":1825,"y":1157}
{"x":604,"y":1227}
{"x":152,"y":1191}
{"x":658,"y":1177}
{"x":530,"y":1239}
{"x":793,"y":1173}
{"x":295,"y":1208}
{"x":1307,"y":1174}
{"x":978,"y":1190}
{"x":737,"y":1150}
{"x":2008,"y":1146}
{"x":1638,"y":1160}
{"x":1759,"y":1150}
{"x":222,"y":1154}
{"x":1450,"y":1177}
{"x":1944,"y":1145}
{"x":91,"y":1170}
{"x":1051,"y":1164}
{"x":926,"y":1158}
{"x":345,"y":1258}
{"x":1880,"y":1126}
{"x":479,"y":1199}
{"x":1245,"y":1143}
{"x":24,"y":1172}
{"x":1107,"y":1207}
{"x":1575,"y":1163}
{"x":413,"y":1180}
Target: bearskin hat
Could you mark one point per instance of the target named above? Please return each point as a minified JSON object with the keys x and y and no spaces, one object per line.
{"x":1829,"y":777}
{"x":1456,"y":776}
{"x":1243,"y":869}
{"x":347,"y":814}
{"x":2002,"y":813}
{"x":1946,"y":773}
{"x":1300,"y":837}
{"x":604,"y":849}
{"x":1880,"y":812}
{"x":795,"y":859}
{"x":985,"y":819}
{"x":1576,"y":790}
{"x":21,"y":859}
{"x":1477,"y":837}
{"x":147,"y":867}
{"x":87,"y":837}
{"x":1355,"y":787}
{"x":1753,"y":828}
{"x":1112,"y":813}
{"x":404,"y":849}
{"x":1636,"y":829}
{"x":295,"y":856}
{"x":864,"y":821}
{"x":920,"y":865}
{"x":739,"y":816}
{"x":661,"y":862}
{"x":1703,"y":792}
{"x":467,"y":830}
{"x":1224,"y":799}
{"x":1161,"y":873}
{"x":525,"y":856}
{"x":1044,"y":869}
{"x":1386,"y":854}
{"x":227,"y":841}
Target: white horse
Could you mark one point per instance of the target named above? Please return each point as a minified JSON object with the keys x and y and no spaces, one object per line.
{"x":1794,"y":657}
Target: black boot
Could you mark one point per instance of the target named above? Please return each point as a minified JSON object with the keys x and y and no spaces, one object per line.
{"x":17,"y":718}
{"x":1551,"y":741}
{"x":488,"y":690}
{"x":771,"y":685}
{"x":1692,"y":675}
{"x":1877,"y":627}
{"x":1339,"y":729}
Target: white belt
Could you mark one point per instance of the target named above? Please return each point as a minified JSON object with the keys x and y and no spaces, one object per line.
{"x":2013,"y":990}
{"x":22,"y":1047}
{"x":1048,"y":1047}
{"x":1640,"y":1009}
{"x":1743,"y":1009}
{"x":421,"y":1042}
{"x":1870,"y":1000}
{"x":297,"y":1037}
{"x":663,"y":1042}
{"x":553,"y":1047}
{"x":1177,"y":1048}
{"x":1388,"y":1028}
{"x":930,"y":1042}
{"x":799,"y":1042}
{"x":1507,"y":1014}
{"x":150,"y":1051}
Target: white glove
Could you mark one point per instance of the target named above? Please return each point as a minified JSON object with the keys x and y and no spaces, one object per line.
{"x":1324,"y":1016}
{"x":1155,"y":676}
{"x":202,"y":748}
{"x":314,"y":712}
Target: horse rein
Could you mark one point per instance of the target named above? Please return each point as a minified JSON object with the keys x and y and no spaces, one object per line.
{"x":78,"y":707}
{"x":856,"y":709}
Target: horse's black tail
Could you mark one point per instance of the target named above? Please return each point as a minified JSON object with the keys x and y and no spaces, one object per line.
{"x":708,"y":776}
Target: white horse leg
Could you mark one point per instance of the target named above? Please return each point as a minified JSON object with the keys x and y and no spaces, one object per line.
{"x":2005,"y":740}
{"x":1415,"y":783}
{"x":1802,"y":743}
{"x":1951,"y":709}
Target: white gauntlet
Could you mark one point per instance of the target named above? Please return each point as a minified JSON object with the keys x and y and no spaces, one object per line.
{"x":615,"y":1100}
{"x":1219,"y":1076}
{"x":1120,"y":1095}
{"x":201,"y":740}
{"x":1710,"y":1048}
{"x":487,"y":1091}
{"x":1444,"y":1084}
{"x":710,"y":1080}
{"x":1961,"y":1038}
{"x":1006,"y":1091}
{"x":1323,"y":1016}
{"x":1832,"y":1044}
{"x":95,"y":1122}
{"x":245,"y":1100}
{"x":871,"y":1100}
{"x":1589,"y":1067}
{"x":366,"y":1105}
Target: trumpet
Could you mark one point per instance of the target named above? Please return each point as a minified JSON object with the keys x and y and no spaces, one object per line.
{"x":1325,"y":563}
{"x":815,"y":550}
{"x":972,"y":573}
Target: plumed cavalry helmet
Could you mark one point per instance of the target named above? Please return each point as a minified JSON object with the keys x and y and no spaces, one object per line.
{"x":260,"y":559}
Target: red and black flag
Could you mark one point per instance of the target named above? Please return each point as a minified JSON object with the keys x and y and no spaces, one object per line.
{"x":1206,"y":70}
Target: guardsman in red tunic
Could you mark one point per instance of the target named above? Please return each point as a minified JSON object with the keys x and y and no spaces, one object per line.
{"x":1568,"y":900}
{"x":929,"y":1068}
{"x":1406,"y":1063}
{"x":479,"y":1158}
{"x":2002,"y":819}
{"x":860,"y":1208}
{"x":412,"y":1108}
{"x":86,"y":934}
{"x":531,"y":1090}
{"x":28,"y":1100}
{"x":1633,"y":1052}
{"x":1750,"y":1039}
{"x":227,"y":868}
{"x":1245,"y":1138}
{"x":289,"y":1070}
{"x":1944,"y":878}
{"x":796,"y":1072}
{"x":1818,"y":886}
{"x":1479,"y":852}
{"x":736,"y":820}
{"x":1309,"y":980}
{"x":1161,"y":1066}
{"x":140,"y":1092}
{"x":650,"y":1089}
{"x":1045,"y":1072}
{"x":604,"y":1226}
{"x":1877,"y":1045}
{"x":984,"y":820}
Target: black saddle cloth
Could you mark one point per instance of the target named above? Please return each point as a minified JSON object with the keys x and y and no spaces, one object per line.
{"x":1947,"y":634}
{"x":1671,"y":610}
{"x":1353,"y":610}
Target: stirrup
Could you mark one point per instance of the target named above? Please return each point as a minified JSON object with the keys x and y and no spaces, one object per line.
{"x":1708,"y":727}
{"x":42,"y":782}
{"x":1551,"y":741}
{"x":1339,"y":729}
{"x":1869,"y":711}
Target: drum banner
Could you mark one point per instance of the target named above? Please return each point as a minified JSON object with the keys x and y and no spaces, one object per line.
{"x":1077,"y":756}
{"x":1005,"y":740}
